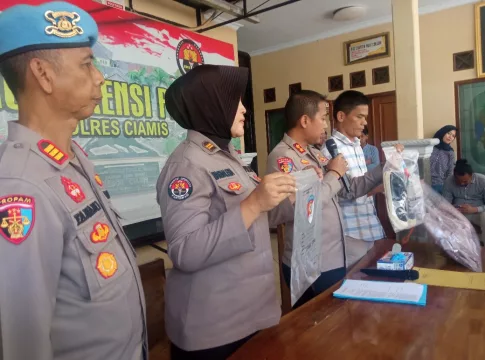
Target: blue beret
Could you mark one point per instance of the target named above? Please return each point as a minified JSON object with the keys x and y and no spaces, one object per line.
{"x":52,"y":25}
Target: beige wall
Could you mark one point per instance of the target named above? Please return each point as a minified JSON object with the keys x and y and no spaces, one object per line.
{"x":442,"y":34}
{"x":170,"y":10}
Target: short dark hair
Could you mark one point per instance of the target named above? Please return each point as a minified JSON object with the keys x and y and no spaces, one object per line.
{"x":14,"y":69}
{"x":348,"y":101}
{"x":365,"y":131}
{"x":304,"y":102}
{"x":462,"y":167}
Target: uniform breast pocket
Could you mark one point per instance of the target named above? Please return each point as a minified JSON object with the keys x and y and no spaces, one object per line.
{"x":233,"y":191}
{"x":104,"y":261}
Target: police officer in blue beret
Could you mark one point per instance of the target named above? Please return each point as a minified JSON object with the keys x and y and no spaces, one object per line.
{"x":69,"y":284}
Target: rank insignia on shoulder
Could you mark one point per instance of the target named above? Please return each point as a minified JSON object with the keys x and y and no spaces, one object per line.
{"x":285,"y":164}
{"x":234,"y":186}
{"x":106,"y":264}
{"x":52,"y":152}
{"x":100,"y":233}
{"x":209,"y":146}
{"x":180,"y":188}
{"x":73,"y":190}
{"x":305,"y":162}
{"x":299,"y":148}
{"x":17,"y":217}
{"x":98,"y":180}
{"x":63,"y":24}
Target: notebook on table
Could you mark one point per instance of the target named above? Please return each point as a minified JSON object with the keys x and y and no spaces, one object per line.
{"x":382,"y":291}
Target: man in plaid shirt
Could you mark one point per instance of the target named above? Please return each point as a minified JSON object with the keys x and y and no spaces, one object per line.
{"x":362,"y":227}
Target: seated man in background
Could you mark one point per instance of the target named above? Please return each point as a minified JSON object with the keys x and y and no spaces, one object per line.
{"x":371,"y":153}
{"x":466,"y":191}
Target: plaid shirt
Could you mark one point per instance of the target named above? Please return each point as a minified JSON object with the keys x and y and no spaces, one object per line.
{"x":360,"y":216}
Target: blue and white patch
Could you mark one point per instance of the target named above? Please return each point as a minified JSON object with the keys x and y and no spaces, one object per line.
{"x":180,"y":188}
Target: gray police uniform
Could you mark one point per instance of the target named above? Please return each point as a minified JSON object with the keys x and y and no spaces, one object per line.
{"x":222,"y":286}
{"x":70,"y":287}
{"x":289,"y":156}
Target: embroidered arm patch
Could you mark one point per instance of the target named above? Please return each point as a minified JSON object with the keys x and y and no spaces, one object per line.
{"x":17,"y":217}
{"x":180,"y":188}
{"x":285,"y":164}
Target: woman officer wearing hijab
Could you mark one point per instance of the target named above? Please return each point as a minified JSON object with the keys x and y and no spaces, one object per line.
{"x":221,"y":289}
{"x":443,"y":157}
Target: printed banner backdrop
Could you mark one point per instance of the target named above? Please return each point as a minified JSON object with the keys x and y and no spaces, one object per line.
{"x":131,"y":135}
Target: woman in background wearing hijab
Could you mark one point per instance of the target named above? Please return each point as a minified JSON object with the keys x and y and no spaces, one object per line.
{"x":443,"y":157}
{"x":221,"y":289}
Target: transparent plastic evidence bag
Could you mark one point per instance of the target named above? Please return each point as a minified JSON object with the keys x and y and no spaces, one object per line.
{"x":307,"y":230}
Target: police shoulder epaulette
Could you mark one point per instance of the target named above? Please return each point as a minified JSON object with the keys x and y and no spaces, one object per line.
{"x":52,"y":152}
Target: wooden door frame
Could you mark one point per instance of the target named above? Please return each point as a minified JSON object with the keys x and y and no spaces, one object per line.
{"x":376,"y":95}
{"x":267,"y":113}
{"x":457,"y":110}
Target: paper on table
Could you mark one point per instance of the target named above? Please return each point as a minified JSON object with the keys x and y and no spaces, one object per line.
{"x":381,"y":291}
{"x":454,"y":279}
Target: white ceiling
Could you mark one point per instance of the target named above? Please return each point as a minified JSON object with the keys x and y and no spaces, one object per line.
{"x":310,"y":20}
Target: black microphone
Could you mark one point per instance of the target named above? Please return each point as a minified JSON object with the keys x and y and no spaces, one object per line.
{"x":333,"y":150}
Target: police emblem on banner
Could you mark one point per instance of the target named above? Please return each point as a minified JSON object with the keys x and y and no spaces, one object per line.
{"x":188,"y":55}
{"x":17,"y":216}
{"x":180,"y":188}
{"x":285,"y":165}
{"x":310,"y":208}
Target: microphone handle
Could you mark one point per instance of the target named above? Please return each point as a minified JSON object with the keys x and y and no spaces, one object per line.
{"x":346,"y":182}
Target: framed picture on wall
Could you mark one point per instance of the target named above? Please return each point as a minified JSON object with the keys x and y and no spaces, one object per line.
{"x":480,"y":38}
{"x":368,"y":48}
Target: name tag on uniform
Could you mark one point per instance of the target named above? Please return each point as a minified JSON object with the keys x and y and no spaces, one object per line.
{"x":221,"y":174}
{"x":87,"y":213}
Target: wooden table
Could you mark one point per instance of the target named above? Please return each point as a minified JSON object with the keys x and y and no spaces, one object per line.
{"x":450,"y":326}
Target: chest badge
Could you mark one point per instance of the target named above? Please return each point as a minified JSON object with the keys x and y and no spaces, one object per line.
{"x":285,"y":164}
{"x":73,"y":190}
{"x":234,"y":186}
{"x":305,"y":162}
{"x":299,"y":148}
{"x":322,"y":158}
{"x":17,"y":215}
{"x":106,"y":265}
{"x":98,"y":180}
{"x":257,"y":178}
{"x":100,"y":232}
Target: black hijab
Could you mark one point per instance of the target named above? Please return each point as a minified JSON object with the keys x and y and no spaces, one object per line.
{"x":440,"y":134}
{"x":206,"y":100}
